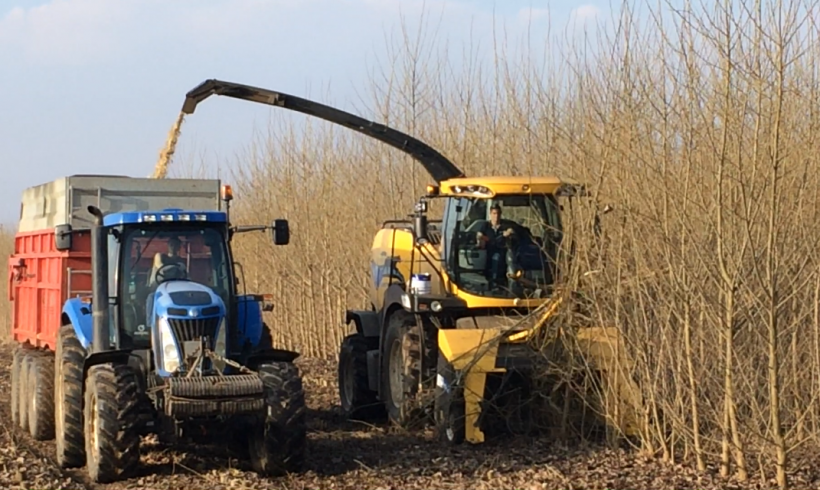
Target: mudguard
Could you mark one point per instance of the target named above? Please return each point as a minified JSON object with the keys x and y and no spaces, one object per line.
{"x":249,"y":320}
{"x":367,"y":322}
{"x":79,"y":314}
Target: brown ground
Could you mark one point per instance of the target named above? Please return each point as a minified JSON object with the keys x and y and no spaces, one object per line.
{"x":355,"y":456}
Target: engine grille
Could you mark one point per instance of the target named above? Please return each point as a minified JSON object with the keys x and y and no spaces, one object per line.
{"x":189,"y":329}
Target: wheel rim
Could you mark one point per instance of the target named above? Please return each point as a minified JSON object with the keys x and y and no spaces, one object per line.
{"x":58,"y":408}
{"x":396,"y":371}
{"x":92,"y":432}
{"x":33,"y":403}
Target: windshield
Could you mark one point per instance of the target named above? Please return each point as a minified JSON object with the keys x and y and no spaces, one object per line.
{"x":519,"y":234}
{"x":154,"y":253}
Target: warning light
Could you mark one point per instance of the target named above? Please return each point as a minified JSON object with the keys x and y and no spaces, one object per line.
{"x":227,"y":193}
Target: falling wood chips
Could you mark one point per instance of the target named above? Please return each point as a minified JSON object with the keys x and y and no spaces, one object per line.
{"x":161,"y":168}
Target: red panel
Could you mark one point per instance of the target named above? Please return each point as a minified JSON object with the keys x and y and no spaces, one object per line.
{"x":39,"y":284}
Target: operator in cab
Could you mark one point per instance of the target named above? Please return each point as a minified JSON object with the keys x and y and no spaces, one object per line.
{"x":493,"y":236}
{"x":170,"y":258}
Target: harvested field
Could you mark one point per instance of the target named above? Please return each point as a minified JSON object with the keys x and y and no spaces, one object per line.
{"x":344,"y":455}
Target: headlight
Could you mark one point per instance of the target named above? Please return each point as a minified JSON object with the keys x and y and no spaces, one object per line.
{"x":170,"y":352}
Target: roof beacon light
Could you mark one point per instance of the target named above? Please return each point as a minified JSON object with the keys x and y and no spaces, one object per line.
{"x":227,"y":193}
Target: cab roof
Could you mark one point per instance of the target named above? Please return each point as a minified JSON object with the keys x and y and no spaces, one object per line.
{"x":504,"y":184}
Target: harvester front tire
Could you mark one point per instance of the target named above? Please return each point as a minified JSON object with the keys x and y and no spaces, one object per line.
{"x":112,"y":403}
{"x":279,"y":447}
{"x":449,"y":407}
{"x":16,"y":370}
{"x":40,"y":382}
{"x":68,"y":399}
{"x":401,"y":370}
{"x":357,"y":399}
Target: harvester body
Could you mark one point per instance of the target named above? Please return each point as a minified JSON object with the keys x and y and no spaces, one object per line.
{"x":129,"y":322}
{"x":455,"y":302}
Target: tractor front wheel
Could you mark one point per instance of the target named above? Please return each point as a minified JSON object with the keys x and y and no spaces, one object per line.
{"x":279,"y":447}
{"x":112,"y":404}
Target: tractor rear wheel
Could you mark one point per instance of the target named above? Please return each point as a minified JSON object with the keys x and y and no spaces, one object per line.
{"x":358,"y":400}
{"x":68,"y":399}
{"x":279,"y":447}
{"x":112,"y":404}
{"x":40,"y":383}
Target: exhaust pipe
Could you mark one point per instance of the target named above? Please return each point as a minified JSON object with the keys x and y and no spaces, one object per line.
{"x":99,"y":288}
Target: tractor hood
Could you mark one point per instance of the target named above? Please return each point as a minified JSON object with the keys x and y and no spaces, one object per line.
{"x":187,"y":299}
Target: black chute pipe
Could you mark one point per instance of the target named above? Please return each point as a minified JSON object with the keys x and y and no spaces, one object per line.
{"x":436,"y":164}
{"x":100,"y":314}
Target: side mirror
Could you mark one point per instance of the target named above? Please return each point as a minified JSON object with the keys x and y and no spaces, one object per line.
{"x":63,"y":237}
{"x":281,"y":232}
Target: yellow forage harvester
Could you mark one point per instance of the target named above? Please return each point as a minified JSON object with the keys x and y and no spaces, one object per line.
{"x":459,"y":307}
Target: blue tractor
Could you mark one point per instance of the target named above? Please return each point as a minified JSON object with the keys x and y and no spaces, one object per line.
{"x":166,"y":345}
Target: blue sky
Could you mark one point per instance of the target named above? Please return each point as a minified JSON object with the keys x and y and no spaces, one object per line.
{"x":92,"y":86}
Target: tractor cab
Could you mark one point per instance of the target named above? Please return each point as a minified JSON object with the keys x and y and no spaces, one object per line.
{"x":170,"y":281}
{"x":171,"y":284}
{"x":500,"y":236}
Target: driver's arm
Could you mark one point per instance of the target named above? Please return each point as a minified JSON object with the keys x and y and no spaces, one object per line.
{"x":152,"y":277}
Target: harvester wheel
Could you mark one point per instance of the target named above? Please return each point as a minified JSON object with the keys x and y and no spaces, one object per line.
{"x":401,"y":370}
{"x":449,"y":406}
{"x":68,"y":399}
{"x":40,"y":382}
{"x":112,"y":404}
{"x":279,"y":448}
{"x":16,"y":369}
{"x":358,"y":400}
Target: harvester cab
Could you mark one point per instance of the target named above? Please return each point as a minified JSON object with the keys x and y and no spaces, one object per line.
{"x":453,"y":301}
{"x":164,"y":344}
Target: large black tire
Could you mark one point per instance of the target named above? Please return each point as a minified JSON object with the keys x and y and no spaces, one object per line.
{"x":68,"y":399}
{"x":41,"y":397}
{"x":279,"y":447}
{"x":112,"y":404}
{"x":16,"y":369}
{"x":357,"y":399}
{"x":449,"y":406}
{"x":401,"y":370}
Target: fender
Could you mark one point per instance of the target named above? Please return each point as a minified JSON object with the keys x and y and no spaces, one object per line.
{"x":367,"y":322}
{"x":120,"y":357}
{"x":392,"y":302}
{"x":79,"y":314}
{"x":248,"y":321}
{"x":270,"y":355}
